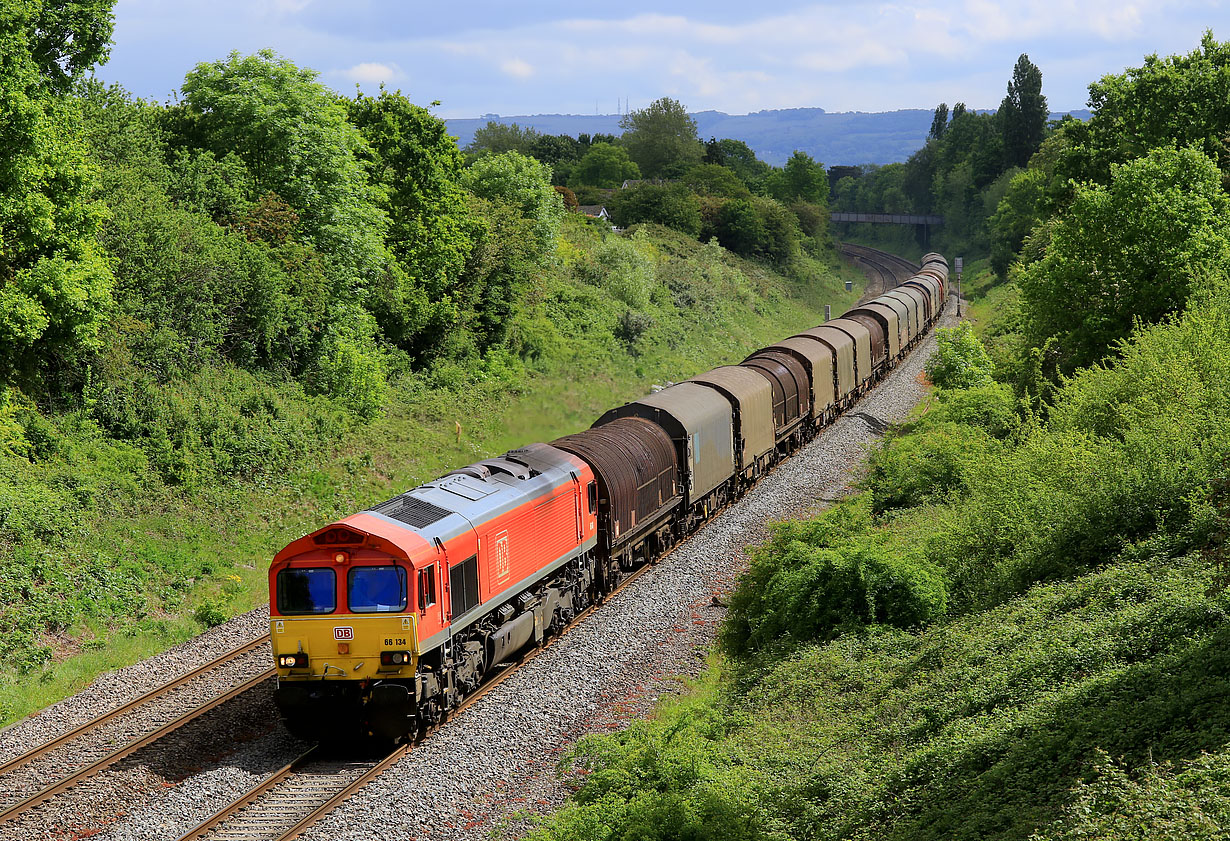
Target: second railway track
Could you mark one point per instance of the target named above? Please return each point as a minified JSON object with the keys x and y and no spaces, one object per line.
{"x":884,"y":270}
{"x":294,"y":798}
{"x":59,"y":764}
{"x":290,"y":801}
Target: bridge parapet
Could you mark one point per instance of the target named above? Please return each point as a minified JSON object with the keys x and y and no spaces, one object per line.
{"x":886,"y":218}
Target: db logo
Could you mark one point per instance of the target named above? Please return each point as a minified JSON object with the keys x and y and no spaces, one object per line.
{"x":343,"y":633}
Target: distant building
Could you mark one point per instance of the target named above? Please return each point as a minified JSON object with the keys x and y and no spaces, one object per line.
{"x":594,"y":211}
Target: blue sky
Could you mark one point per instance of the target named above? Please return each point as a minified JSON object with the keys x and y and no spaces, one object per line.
{"x":482,"y":57}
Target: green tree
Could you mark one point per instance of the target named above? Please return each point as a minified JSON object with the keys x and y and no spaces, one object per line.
{"x":738,"y":157}
{"x":1023,"y":113}
{"x":415,"y":161}
{"x":713,"y":180}
{"x":497,"y":138}
{"x":1135,"y":250}
{"x":525,"y":184}
{"x":554,"y":149}
{"x":661,"y":138}
{"x":64,"y":38}
{"x":503,"y":274}
{"x":960,"y":360}
{"x":672,"y":205}
{"x":939,"y":122}
{"x":1015,"y":216}
{"x":1177,"y":100}
{"x":55,"y":286}
{"x":604,"y":165}
{"x":294,"y":136}
{"x":801,"y":179}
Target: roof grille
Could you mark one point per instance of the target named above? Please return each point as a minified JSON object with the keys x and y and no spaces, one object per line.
{"x":414,"y":512}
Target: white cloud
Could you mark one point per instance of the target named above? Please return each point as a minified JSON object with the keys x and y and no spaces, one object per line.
{"x":289,"y":7}
{"x":517,"y":68}
{"x":372,"y":73}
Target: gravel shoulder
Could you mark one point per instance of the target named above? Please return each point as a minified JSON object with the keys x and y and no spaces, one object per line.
{"x":481,"y":776}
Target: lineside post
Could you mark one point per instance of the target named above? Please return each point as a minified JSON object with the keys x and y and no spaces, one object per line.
{"x":959,"y":261}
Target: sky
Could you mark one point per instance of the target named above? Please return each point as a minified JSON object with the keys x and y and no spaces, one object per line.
{"x":499,"y":57}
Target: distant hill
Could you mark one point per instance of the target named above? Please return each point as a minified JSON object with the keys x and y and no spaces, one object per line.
{"x":849,"y":138}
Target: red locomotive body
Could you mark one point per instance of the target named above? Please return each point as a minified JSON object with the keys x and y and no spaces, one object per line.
{"x":397,"y":612}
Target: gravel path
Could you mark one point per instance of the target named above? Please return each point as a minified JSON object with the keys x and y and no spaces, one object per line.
{"x":480,"y":776}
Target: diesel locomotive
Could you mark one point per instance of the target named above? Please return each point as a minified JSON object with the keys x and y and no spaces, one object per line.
{"x":383,"y":622}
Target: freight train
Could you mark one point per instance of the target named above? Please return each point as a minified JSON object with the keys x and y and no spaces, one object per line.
{"x":383,"y":622}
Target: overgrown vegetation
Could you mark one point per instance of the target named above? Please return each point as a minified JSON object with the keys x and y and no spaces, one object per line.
{"x":1016,"y":628}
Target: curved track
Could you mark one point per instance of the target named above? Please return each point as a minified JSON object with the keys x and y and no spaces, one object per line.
{"x":89,"y":760}
{"x":884,"y":270}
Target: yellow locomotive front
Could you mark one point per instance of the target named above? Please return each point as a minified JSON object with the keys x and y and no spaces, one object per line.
{"x":344,"y":636}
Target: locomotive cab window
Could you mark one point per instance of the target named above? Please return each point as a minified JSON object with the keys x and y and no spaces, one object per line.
{"x":376,"y":589}
{"x":427,"y":587}
{"x":593,"y":497}
{"x":308,"y":590}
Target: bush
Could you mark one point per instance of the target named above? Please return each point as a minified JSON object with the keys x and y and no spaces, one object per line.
{"x":990,"y":407}
{"x":349,"y":367}
{"x":960,"y":360}
{"x":210,"y":614}
{"x":925,"y":466}
{"x":672,"y":205}
{"x":814,"y":579}
{"x":524,"y":183}
{"x":625,"y":271}
{"x":631,"y":327}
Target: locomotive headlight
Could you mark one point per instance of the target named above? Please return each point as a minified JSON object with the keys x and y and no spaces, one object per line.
{"x":394,"y":658}
{"x":291,"y":661}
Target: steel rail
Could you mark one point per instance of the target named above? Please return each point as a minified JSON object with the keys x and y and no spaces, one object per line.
{"x":233,"y":810}
{"x":153,"y":694}
{"x":22,"y":806}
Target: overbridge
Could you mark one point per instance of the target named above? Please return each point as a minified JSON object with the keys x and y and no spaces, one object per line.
{"x":922,"y":224}
{"x":886,"y":218}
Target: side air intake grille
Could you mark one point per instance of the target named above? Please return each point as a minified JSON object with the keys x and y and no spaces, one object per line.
{"x":416,"y":513}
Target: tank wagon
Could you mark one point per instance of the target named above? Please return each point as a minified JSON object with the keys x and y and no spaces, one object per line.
{"x":384,"y":621}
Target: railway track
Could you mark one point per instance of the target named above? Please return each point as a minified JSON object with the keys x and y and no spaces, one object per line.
{"x":291,"y":800}
{"x":56,"y":759}
{"x":886,"y":270}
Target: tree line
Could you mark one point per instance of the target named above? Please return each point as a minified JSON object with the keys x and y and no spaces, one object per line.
{"x":963,"y":169}
{"x":709,"y":190}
